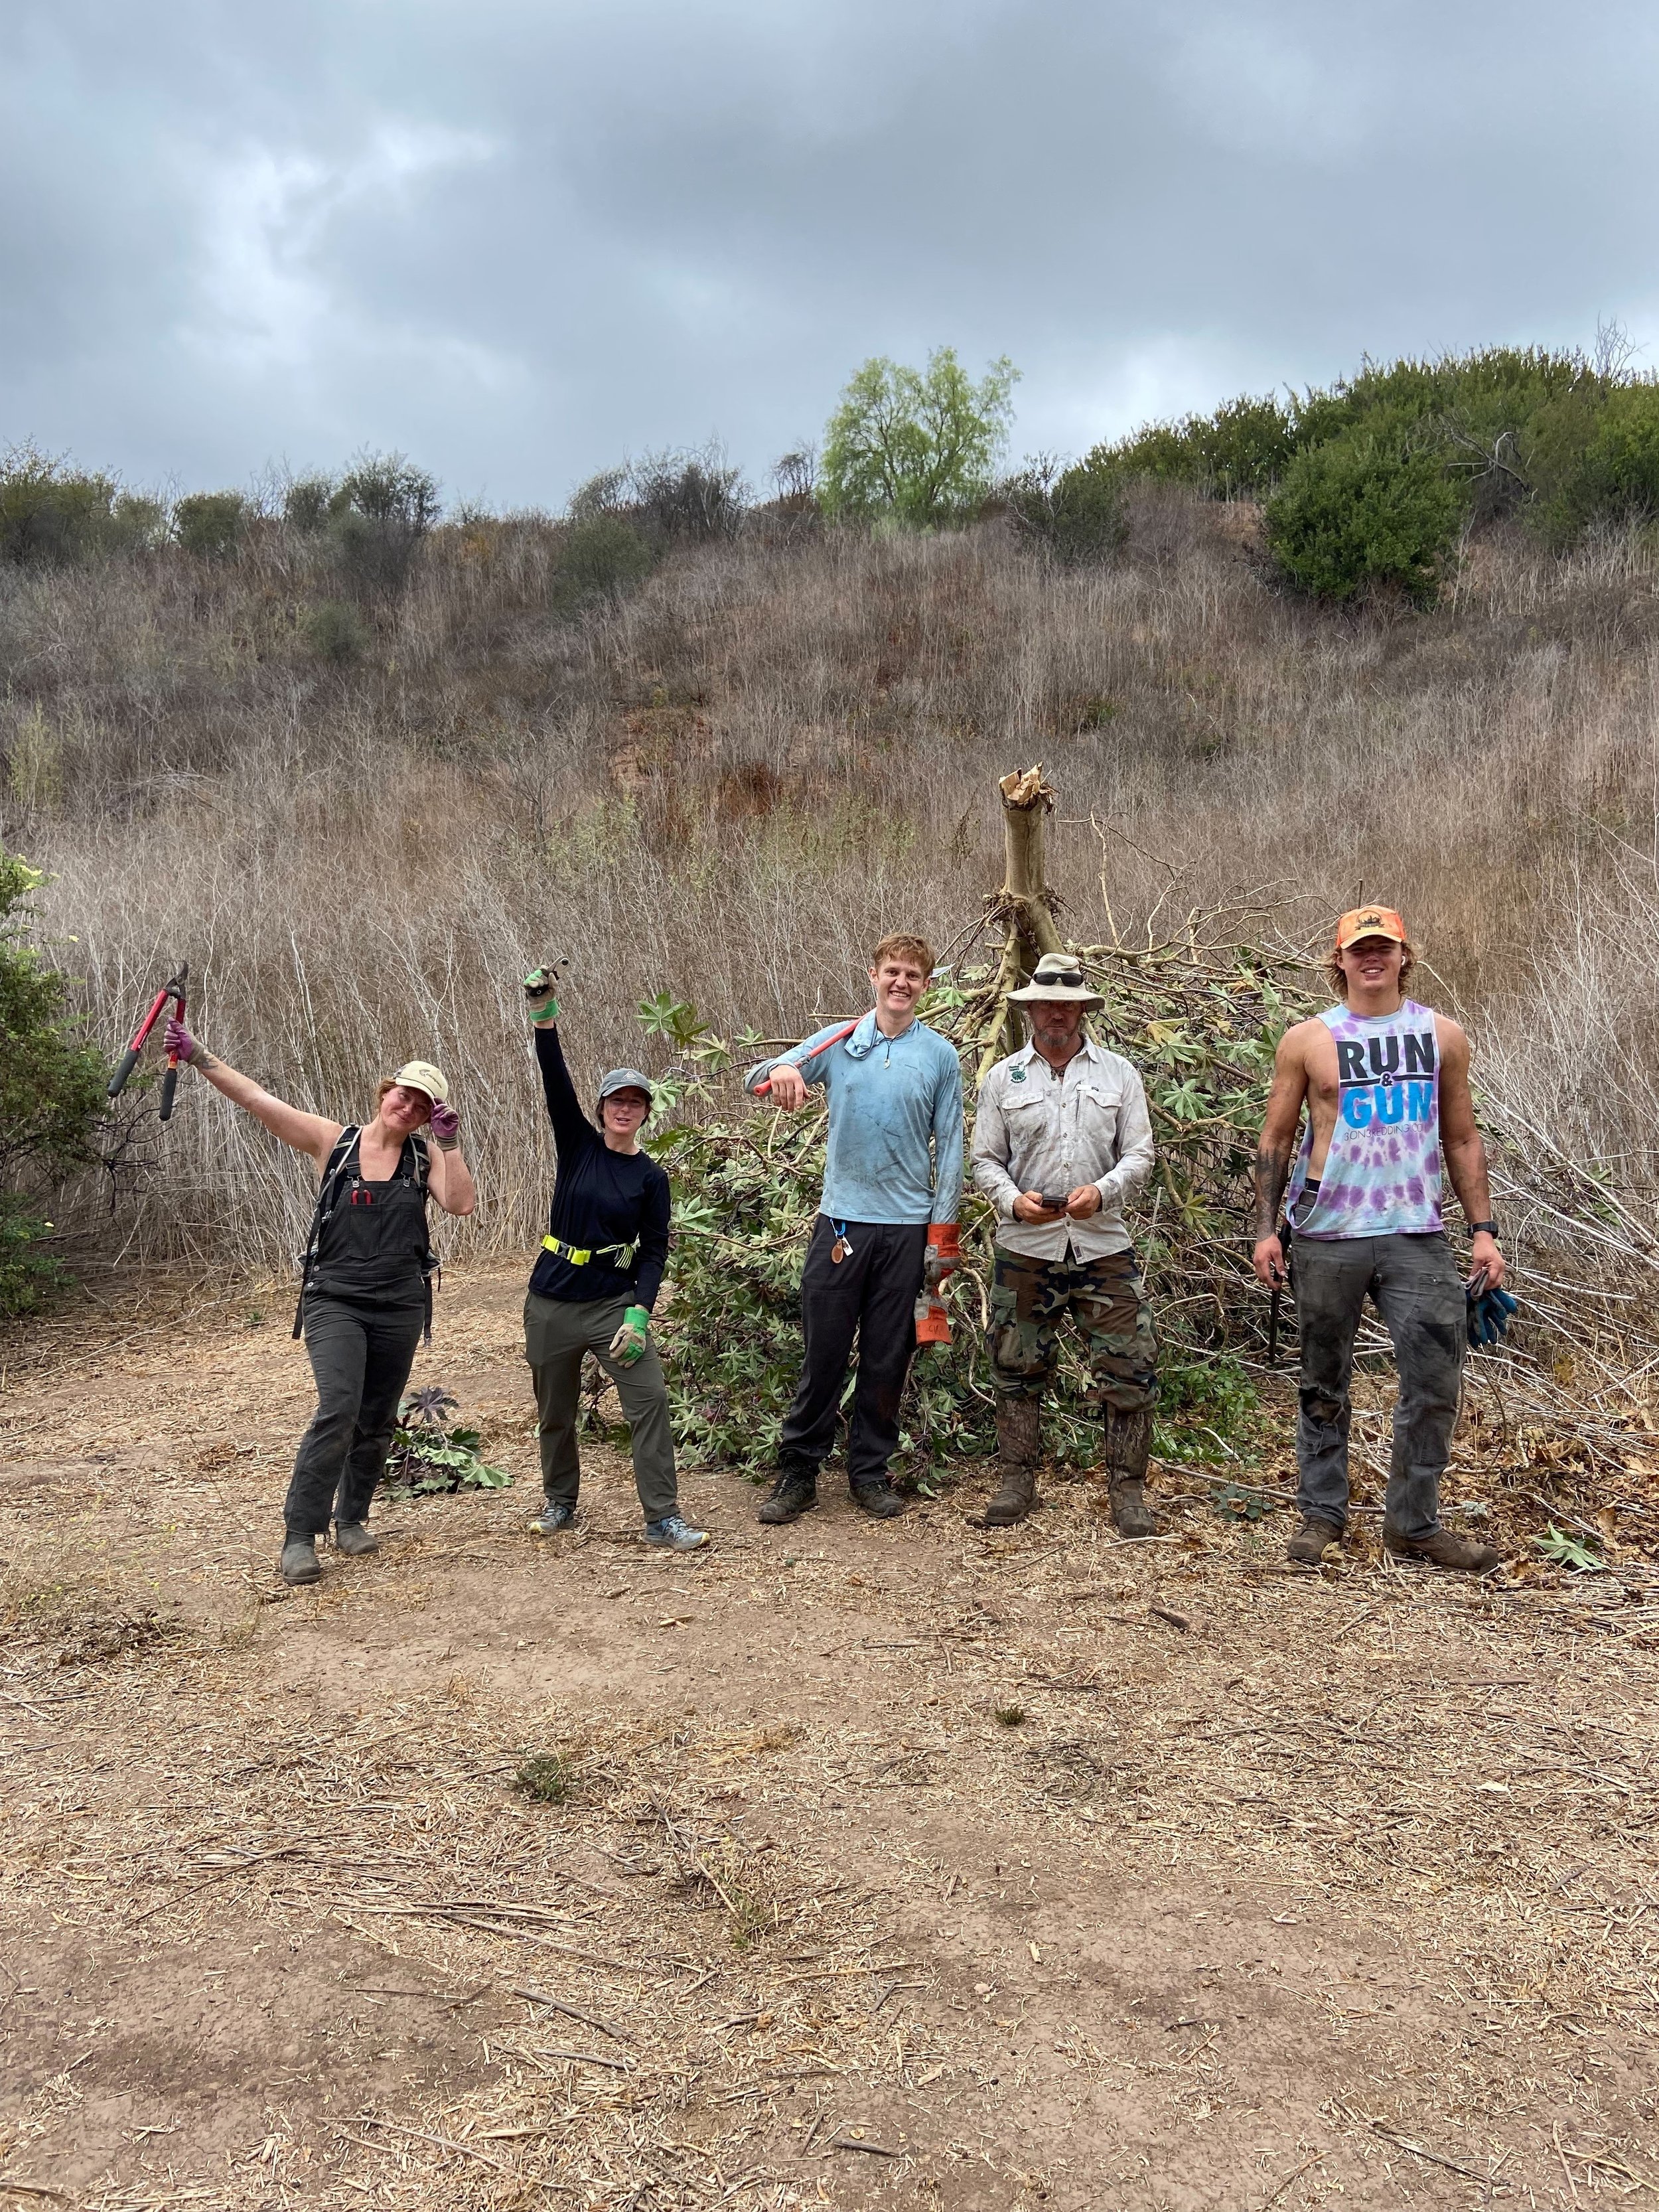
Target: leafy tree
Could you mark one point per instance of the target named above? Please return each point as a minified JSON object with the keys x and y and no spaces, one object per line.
{"x":209,"y":523}
{"x":917,"y":446}
{"x":384,"y":506}
{"x":51,"y":1094}
{"x":1366,"y":509}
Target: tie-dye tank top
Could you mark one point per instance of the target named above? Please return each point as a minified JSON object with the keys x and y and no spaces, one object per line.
{"x":1381,"y":1174}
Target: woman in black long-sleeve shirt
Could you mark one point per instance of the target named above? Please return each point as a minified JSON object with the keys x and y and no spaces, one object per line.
{"x":595,"y":1282}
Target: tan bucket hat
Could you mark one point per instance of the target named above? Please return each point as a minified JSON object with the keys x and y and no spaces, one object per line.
{"x":1056,"y":976}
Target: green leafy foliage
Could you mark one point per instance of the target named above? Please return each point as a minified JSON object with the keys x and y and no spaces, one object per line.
{"x":52,"y":514}
{"x":602,"y":554}
{"x":545,"y":1777}
{"x":747,"y":1180}
{"x":52,"y":1094}
{"x":428,"y":1457}
{"x":1569,"y":1551}
{"x":913,"y":446}
{"x":335,"y":632}
{"x":1366,"y":510}
{"x":210,"y":524}
{"x":377,"y":518}
{"x":1077,"y":515}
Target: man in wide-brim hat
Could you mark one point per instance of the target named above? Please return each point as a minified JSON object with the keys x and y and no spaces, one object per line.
{"x":1062,"y":1139}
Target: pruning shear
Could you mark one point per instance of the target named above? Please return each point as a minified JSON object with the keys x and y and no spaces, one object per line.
{"x":173,"y":988}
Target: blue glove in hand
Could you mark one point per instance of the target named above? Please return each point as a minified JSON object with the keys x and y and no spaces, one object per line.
{"x":1489,"y":1316}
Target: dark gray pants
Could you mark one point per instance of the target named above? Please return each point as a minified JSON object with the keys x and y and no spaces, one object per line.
{"x":872,"y":1291}
{"x":360,"y":1356}
{"x":555,"y":1335}
{"x":1415,"y":1284}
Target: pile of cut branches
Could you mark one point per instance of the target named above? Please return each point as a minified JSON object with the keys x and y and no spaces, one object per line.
{"x":1200,"y":1013}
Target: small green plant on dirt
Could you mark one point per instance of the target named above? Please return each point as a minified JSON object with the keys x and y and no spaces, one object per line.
{"x":428,"y":1457}
{"x":1011,"y":1715}
{"x":747,"y":1911}
{"x":1569,"y":1551}
{"x":546,"y":1777}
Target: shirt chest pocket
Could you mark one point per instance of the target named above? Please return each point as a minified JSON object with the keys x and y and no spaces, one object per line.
{"x":1099,"y":1108}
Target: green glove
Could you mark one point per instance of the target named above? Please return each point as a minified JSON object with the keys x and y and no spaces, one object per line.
{"x":539,"y":995}
{"x":627,"y":1344}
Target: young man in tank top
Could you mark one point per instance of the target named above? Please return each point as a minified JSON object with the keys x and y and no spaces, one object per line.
{"x":1386,"y":1084}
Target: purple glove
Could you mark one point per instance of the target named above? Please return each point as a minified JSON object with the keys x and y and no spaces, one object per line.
{"x":178,"y":1039}
{"x":446,"y":1126}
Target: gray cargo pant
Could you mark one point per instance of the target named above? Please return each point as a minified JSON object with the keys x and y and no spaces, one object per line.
{"x":360,"y":1356}
{"x":555,"y":1335}
{"x":1419,"y":1295}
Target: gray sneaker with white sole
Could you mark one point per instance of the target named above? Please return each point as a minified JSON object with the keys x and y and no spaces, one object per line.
{"x":678,"y":1534}
{"x":552,"y":1520}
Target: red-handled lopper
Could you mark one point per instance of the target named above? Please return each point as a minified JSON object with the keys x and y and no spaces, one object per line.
{"x":760,"y":1090}
{"x":173,"y":988}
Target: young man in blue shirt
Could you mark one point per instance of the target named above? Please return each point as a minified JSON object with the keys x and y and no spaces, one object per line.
{"x":892,"y":1185}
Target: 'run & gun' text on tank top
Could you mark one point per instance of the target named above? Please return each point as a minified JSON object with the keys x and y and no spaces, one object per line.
{"x":1381,"y":1174}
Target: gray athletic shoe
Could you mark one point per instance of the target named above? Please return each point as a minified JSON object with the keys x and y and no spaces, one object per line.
{"x":298,"y":1562}
{"x":352,"y":1538}
{"x":552,"y":1520}
{"x":676,"y":1533}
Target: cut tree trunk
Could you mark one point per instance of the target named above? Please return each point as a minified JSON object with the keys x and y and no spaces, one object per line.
{"x":1026,"y":800}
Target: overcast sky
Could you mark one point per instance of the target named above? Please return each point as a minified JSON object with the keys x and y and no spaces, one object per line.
{"x":520,"y":240}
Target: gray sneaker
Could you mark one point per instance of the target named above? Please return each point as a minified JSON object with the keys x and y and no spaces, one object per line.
{"x":552,"y":1519}
{"x":676,"y":1533}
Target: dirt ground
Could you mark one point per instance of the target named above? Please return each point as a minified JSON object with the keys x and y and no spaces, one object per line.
{"x":897,"y":1864}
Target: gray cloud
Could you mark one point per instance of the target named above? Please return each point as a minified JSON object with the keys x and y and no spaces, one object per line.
{"x":519,"y":240}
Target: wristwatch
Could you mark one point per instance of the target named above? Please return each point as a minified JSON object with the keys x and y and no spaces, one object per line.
{"x":1483,"y":1228}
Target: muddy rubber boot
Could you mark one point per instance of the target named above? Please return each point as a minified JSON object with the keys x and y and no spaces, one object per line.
{"x":298,"y":1563}
{"x":794,"y":1492}
{"x":1018,"y":1431}
{"x":1128,"y":1448}
{"x":1441,"y":1549}
{"x":1307,"y":1546}
{"x":352,"y":1538}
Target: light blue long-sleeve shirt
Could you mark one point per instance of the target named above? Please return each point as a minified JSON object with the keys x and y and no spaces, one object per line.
{"x":894,"y":1123}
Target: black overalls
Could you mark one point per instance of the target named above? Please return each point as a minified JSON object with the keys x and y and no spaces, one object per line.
{"x":364,"y":1306}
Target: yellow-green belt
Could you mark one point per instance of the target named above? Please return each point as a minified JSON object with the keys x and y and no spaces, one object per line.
{"x":579,"y":1256}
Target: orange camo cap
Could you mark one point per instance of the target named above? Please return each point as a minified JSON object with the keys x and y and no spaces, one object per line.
{"x":1369,"y":922}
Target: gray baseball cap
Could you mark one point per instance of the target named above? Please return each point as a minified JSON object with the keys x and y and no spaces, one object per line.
{"x":626,"y":1078}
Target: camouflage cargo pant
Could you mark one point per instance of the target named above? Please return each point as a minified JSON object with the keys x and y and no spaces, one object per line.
{"x":1107,"y":1299}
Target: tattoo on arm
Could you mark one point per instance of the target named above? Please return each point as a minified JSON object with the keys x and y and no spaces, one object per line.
{"x":1271,"y":1173}
{"x":204,"y":1060}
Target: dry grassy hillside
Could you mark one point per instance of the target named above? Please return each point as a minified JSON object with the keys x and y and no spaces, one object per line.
{"x":728,"y":783}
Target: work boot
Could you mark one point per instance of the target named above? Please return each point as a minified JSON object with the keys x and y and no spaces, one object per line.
{"x":352,"y":1538}
{"x":298,"y":1563}
{"x":1307,"y":1546}
{"x":552,"y":1519}
{"x":1128,"y":1448}
{"x":1441,"y":1549}
{"x":794,"y":1492}
{"x":878,"y":1500}
{"x":678,"y":1534}
{"x":1017,"y":1438}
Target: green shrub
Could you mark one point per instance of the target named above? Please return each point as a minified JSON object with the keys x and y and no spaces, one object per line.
{"x":306,"y":503}
{"x":382,"y":509}
{"x":1590,"y":463}
{"x":51,"y":1094}
{"x":211,"y":523}
{"x":600,"y":554}
{"x":1363,"y":511}
{"x":335,"y":632}
{"x":1077,"y":515}
{"x":1240,"y":450}
{"x":51,"y":514}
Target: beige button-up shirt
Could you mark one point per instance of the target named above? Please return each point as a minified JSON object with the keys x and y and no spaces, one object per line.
{"x":1036,"y":1130}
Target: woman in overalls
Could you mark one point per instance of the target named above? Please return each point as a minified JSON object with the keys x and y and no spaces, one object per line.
{"x":595,"y":1281}
{"x":365,"y":1295}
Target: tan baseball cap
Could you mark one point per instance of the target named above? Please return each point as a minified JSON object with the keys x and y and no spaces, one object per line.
{"x":422,"y":1075}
